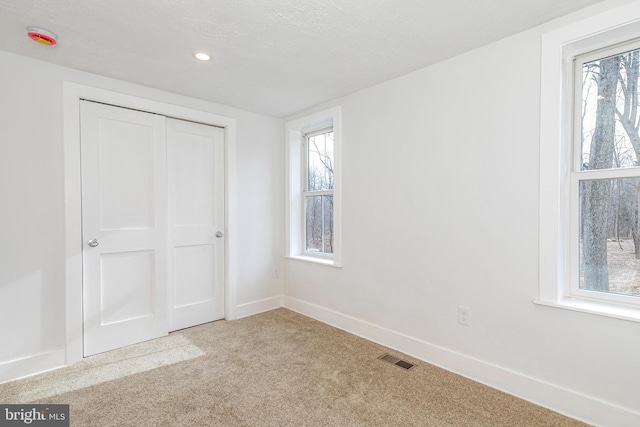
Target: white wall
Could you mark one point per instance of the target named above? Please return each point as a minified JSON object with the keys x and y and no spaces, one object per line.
{"x":32,"y":203}
{"x":452,"y":219}
{"x":440,"y":209}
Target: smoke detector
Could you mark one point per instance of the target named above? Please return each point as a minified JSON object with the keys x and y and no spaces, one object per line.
{"x":42,"y":36}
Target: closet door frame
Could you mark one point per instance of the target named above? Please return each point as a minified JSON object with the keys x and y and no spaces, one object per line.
{"x":73,"y":93}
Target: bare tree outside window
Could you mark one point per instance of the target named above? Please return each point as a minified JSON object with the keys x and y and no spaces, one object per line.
{"x":319,"y":193}
{"x":609,"y":138}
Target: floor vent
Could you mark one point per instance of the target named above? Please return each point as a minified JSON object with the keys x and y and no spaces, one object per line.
{"x":395,"y":361}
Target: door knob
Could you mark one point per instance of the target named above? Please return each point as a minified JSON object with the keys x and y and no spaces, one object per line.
{"x":93,"y":243}
{"x":219,"y":234}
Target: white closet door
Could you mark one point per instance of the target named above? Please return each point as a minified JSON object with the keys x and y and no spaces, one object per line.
{"x":195,"y":167}
{"x":124,"y":216}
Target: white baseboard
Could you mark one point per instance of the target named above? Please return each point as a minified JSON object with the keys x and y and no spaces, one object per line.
{"x":568,"y":402}
{"x":260,"y":306}
{"x":31,"y":365}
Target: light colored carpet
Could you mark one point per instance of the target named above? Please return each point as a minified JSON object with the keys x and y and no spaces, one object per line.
{"x":274,"y":369}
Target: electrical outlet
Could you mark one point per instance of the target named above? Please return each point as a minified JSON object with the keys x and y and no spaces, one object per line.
{"x":463,"y":315}
{"x":276,"y":273}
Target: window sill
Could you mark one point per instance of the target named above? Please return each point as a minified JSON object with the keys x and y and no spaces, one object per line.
{"x":314,"y":260}
{"x":597,"y":308}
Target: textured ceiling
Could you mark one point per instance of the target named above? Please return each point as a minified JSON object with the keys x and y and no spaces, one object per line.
{"x":274,"y":57}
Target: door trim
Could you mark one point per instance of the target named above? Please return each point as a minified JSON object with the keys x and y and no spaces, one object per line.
{"x":72,"y":94}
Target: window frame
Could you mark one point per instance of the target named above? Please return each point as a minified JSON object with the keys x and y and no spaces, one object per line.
{"x":557,"y":260}
{"x":294,"y":176}
{"x":579,"y":175}
{"x":306,"y":193}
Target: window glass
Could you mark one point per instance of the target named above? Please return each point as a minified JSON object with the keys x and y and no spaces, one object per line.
{"x":319,"y":224}
{"x":320,"y":162}
{"x":609,"y":249}
{"x":607,"y":176}
{"x":319,"y":215}
{"x":609,"y":112}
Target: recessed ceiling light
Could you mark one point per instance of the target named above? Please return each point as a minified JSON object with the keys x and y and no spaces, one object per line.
{"x":201,"y":56}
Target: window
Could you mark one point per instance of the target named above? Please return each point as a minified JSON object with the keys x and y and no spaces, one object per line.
{"x":314,"y":188}
{"x":318,"y":192}
{"x":590,"y":167}
{"x":605,"y":178}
